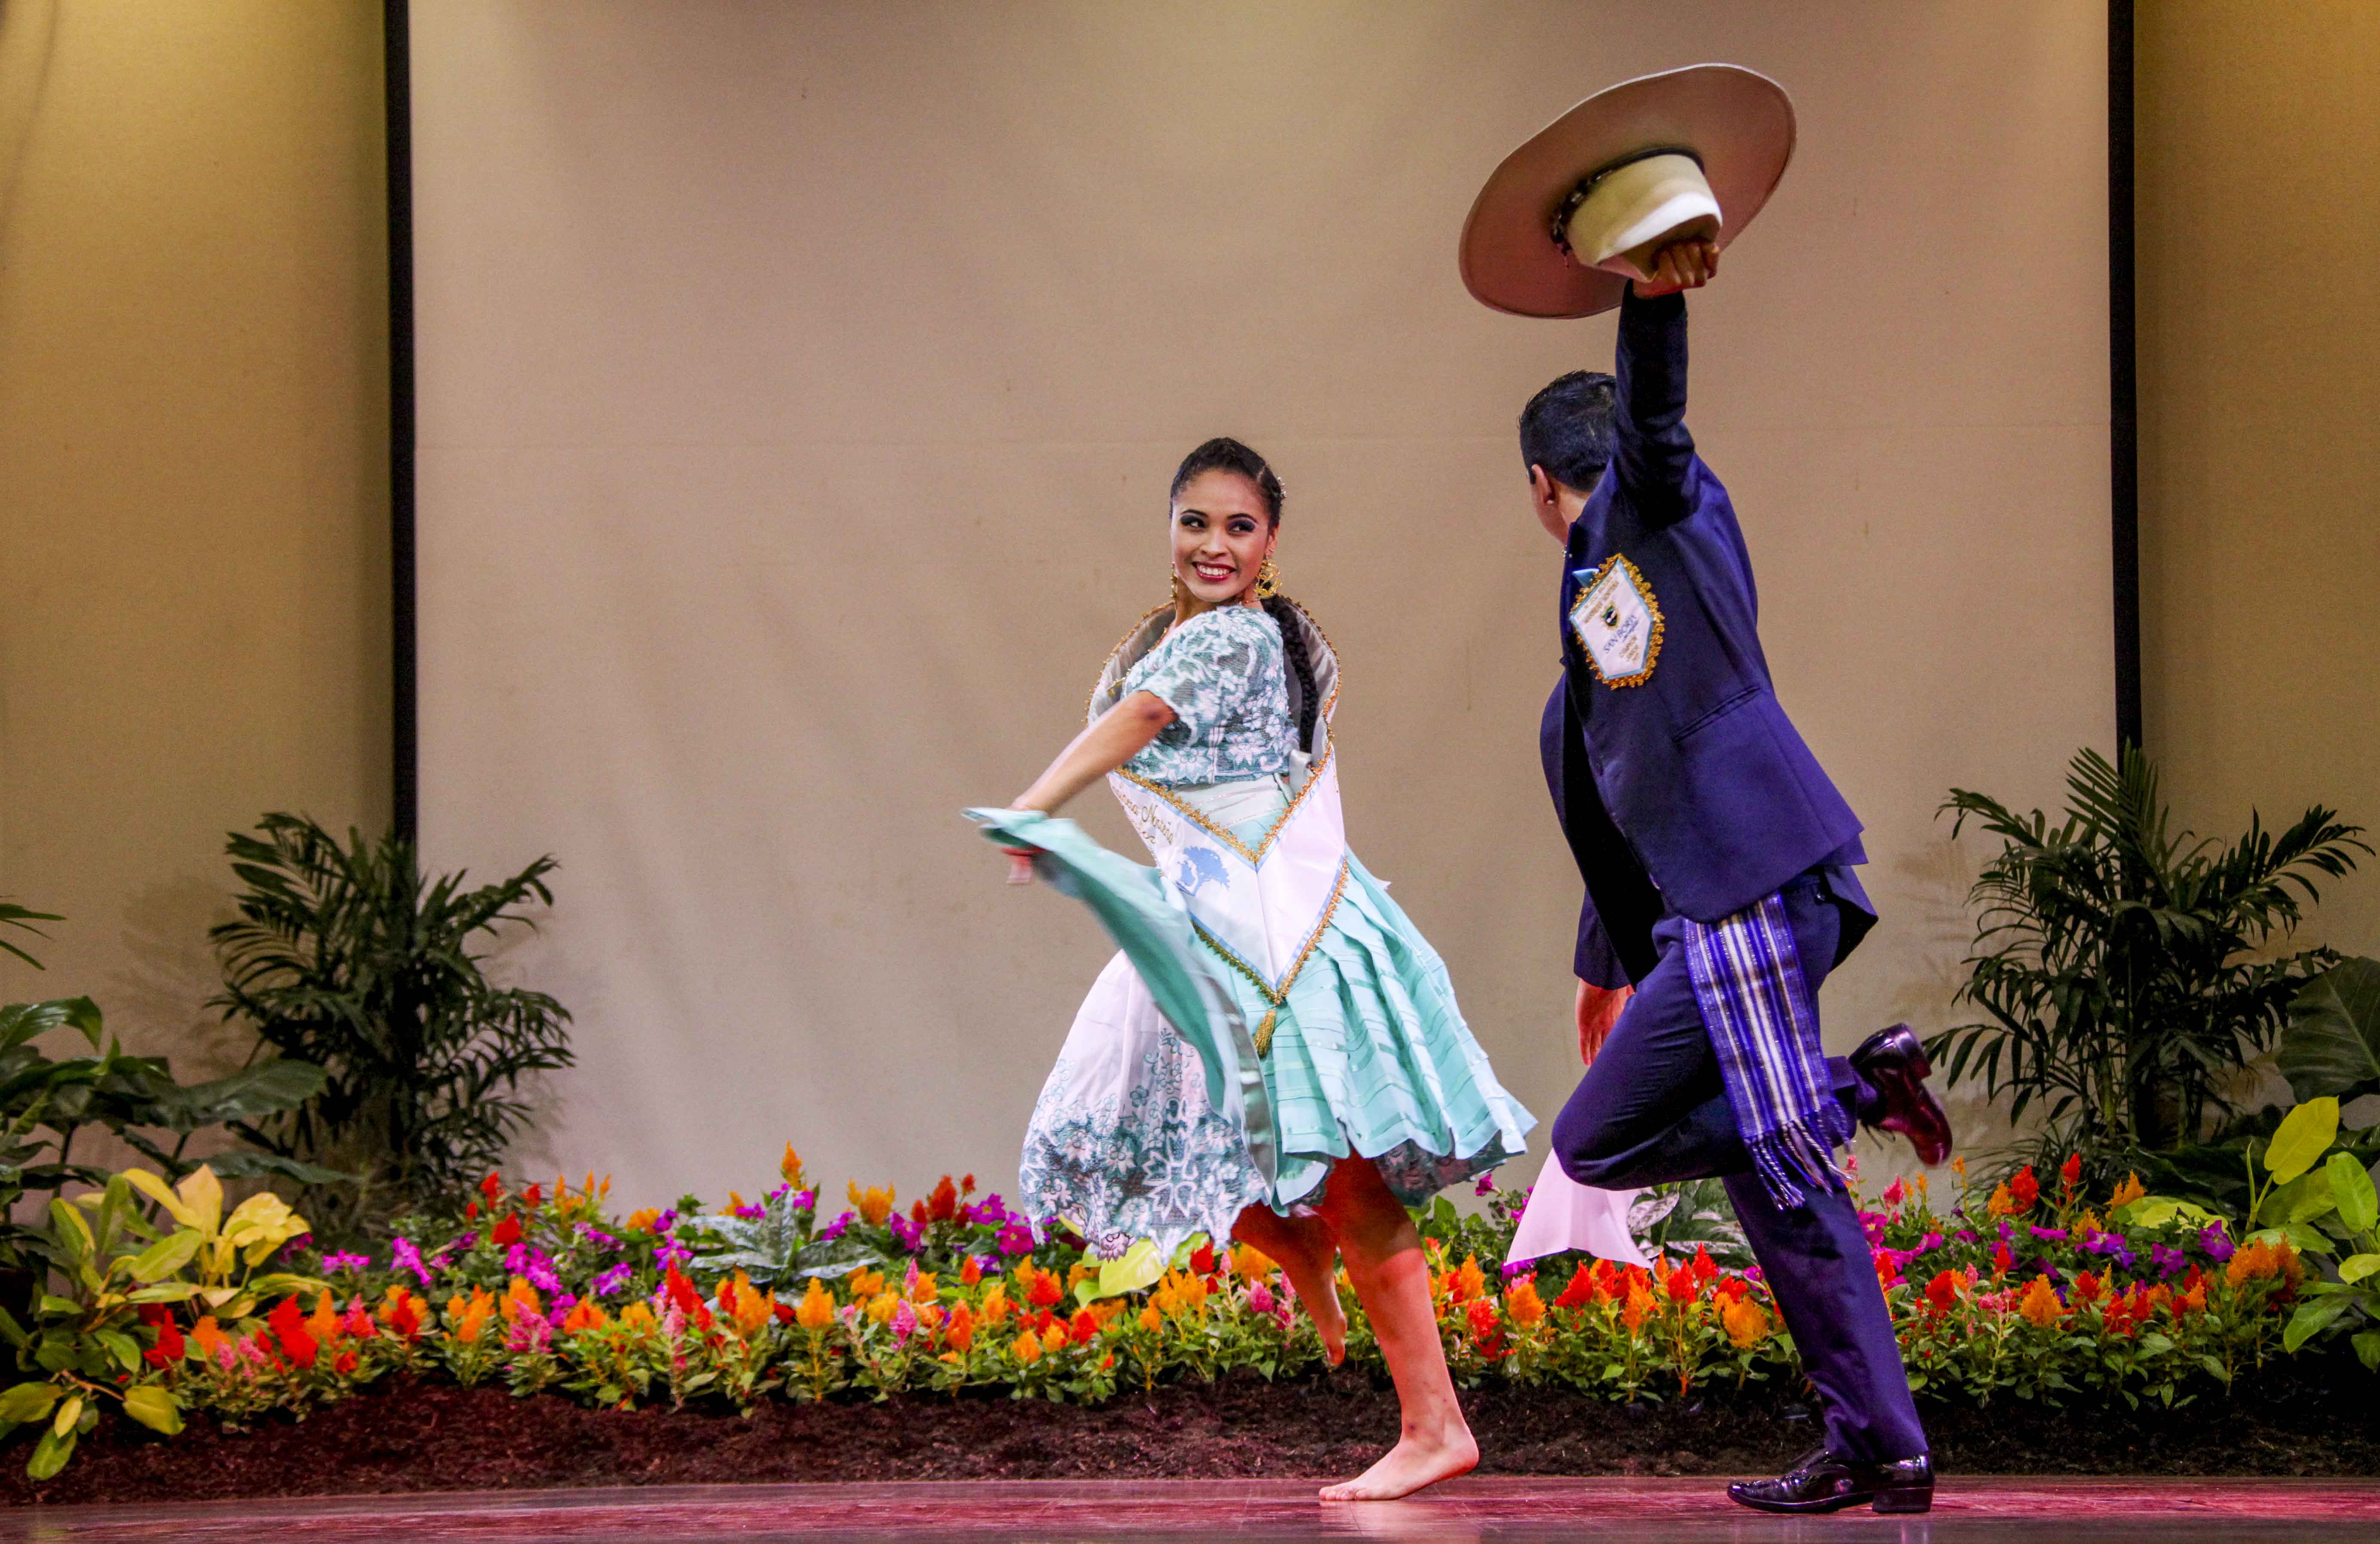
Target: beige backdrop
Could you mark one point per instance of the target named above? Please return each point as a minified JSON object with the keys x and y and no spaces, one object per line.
{"x":799,"y":384}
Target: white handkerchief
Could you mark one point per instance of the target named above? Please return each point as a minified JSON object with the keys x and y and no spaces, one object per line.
{"x":1563,"y":1215}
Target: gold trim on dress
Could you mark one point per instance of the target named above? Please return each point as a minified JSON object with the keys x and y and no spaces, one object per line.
{"x":1277,"y":997}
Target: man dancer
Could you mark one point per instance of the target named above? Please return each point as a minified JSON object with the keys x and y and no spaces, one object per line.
{"x":1718,"y":859}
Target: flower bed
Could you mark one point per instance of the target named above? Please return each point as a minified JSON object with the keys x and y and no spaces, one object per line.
{"x":2044,"y":1297}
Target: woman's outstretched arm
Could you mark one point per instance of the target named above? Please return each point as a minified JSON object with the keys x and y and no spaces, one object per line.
{"x":1114,"y":738}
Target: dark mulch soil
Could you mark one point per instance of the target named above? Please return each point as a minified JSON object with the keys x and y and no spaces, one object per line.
{"x":2312,"y":1420}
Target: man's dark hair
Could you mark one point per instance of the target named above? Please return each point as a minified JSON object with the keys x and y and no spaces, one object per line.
{"x":1566,"y":429}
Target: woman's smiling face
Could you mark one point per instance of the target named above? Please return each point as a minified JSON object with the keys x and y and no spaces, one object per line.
{"x":1222,"y":533}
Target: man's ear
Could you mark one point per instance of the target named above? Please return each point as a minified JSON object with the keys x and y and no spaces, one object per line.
{"x":1541,"y":487}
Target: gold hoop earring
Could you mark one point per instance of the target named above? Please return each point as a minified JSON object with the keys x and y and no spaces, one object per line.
{"x":1268,"y":580}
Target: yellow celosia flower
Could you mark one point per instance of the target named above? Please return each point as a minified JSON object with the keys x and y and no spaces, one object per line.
{"x":816,"y":1311}
{"x":639,"y":1316}
{"x":2130,"y":1191}
{"x":925,"y":1291}
{"x":1745,"y":1321}
{"x":1077,"y":1273}
{"x":1053,"y":1339}
{"x":1523,"y":1304}
{"x":881,"y":1307}
{"x":2040,"y":1304}
{"x":1151,"y":1320}
{"x":2002,"y":1204}
{"x":866,"y":1283}
{"x":1252,"y":1262}
{"x":1027,"y":1348}
{"x":873,"y":1204}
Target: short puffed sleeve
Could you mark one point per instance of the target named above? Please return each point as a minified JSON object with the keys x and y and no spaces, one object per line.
{"x":1207,"y":667}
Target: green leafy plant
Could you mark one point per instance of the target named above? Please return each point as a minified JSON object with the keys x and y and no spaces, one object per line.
{"x":347,"y":957}
{"x":2119,"y":963}
{"x":2332,"y":1044}
{"x":16,"y":916}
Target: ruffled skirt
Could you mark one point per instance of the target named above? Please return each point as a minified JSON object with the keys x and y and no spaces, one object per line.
{"x":1369,"y":1056}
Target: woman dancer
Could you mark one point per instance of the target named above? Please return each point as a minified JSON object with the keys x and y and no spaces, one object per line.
{"x":1276,"y":1056}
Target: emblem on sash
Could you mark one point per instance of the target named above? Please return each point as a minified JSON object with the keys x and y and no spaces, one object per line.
{"x":1618,"y":622}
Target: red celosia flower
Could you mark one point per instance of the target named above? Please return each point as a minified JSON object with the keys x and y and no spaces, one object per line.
{"x":2070,"y":1172}
{"x":506,"y":1232}
{"x":1202,"y":1260}
{"x":966,"y":1184}
{"x":401,"y":1314}
{"x":1888,"y":1268}
{"x":2023,"y":1189}
{"x":491,"y":1187}
{"x":1942,"y":1293}
{"x":1580,"y":1290}
{"x":471,"y":1210}
{"x":1085,"y":1327}
{"x":1683,"y":1286}
{"x":918,"y":1213}
{"x":2087,"y":1289}
{"x":1487,"y":1333}
{"x":942,"y":1206}
{"x":681,"y":1292}
{"x":2002,"y":1257}
{"x":357,"y":1323}
{"x":289,"y":1328}
{"x":1046,"y":1292}
{"x":1734,"y":1289}
{"x":784,"y":1312}
{"x":1705,"y":1268}
{"x":346,"y":1364}
{"x":534,"y":1195}
{"x":170,"y":1344}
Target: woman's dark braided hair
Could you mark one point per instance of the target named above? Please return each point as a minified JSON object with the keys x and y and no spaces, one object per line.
{"x":1229,"y":455}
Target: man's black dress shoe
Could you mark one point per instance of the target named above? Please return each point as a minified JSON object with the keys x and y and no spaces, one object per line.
{"x":1895,"y":1062}
{"x":1823,"y":1482}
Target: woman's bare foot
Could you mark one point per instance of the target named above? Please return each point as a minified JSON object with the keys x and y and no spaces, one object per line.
{"x":1416,"y":1461}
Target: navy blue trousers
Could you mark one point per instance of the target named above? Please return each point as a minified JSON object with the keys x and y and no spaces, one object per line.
{"x":1652,"y":1110}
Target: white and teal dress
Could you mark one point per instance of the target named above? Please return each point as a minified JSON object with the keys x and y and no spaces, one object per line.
{"x":1271,"y":1010}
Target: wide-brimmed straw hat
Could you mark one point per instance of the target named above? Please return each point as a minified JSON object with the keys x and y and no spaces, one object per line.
{"x":1569,"y":217}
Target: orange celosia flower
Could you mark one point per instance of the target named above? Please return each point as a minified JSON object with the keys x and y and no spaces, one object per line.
{"x":1745,"y":1321}
{"x":960,"y":1333}
{"x":2130,"y":1191}
{"x":790,"y":1166}
{"x":643,"y":1220}
{"x":1522,"y":1304}
{"x":208,"y":1335}
{"x":996,"y":1307}
{"x":816,"y":1311}
{"x":2001,"y":1203}
{"x":1027,"y":1348}
{"x":1054,"y":1338}
{"x":866,"y":1283}
{"x":521,"y":1298}
{"x":925,"y":1290}
{"x":882,"y":1308}
{"x":639,"y":1317}
{"x":587,"y":1314}
{"x":970,"y":1273}
{"x":1640,"y":1303}
{"x":1077,"y":1273}
{"x":1470,"y":1282}
{"x":2040,"y":1304}
{"x":2262,"y":1260}
{"x":1151,"y":1320}
{"x":400,"y":1313}
{"x":872,"y":1204}
{"x":942,"y":1204}
{"x":1252,"y":1263}
{"x":324,"y":1322}
{"x":468,"y":1318}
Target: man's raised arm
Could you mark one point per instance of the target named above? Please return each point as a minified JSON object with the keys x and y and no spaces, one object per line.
{"x":1652,"y":451}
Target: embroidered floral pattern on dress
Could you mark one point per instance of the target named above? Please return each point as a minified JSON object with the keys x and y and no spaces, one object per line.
{"x":1155,"y":1163}
{"x":1221,"y":673}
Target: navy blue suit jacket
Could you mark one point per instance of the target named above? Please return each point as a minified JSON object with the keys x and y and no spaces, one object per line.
{"x":1691,"y":791}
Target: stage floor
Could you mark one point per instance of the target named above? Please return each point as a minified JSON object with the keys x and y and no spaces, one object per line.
{"x":2008,"y":1510}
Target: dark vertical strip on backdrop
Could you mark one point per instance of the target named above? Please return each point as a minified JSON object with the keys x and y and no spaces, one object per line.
{"x":405,"y":716}
{"x":2123,"y":375}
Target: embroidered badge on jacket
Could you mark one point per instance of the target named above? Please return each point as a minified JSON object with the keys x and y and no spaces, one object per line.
{"x":1618,"y":622}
